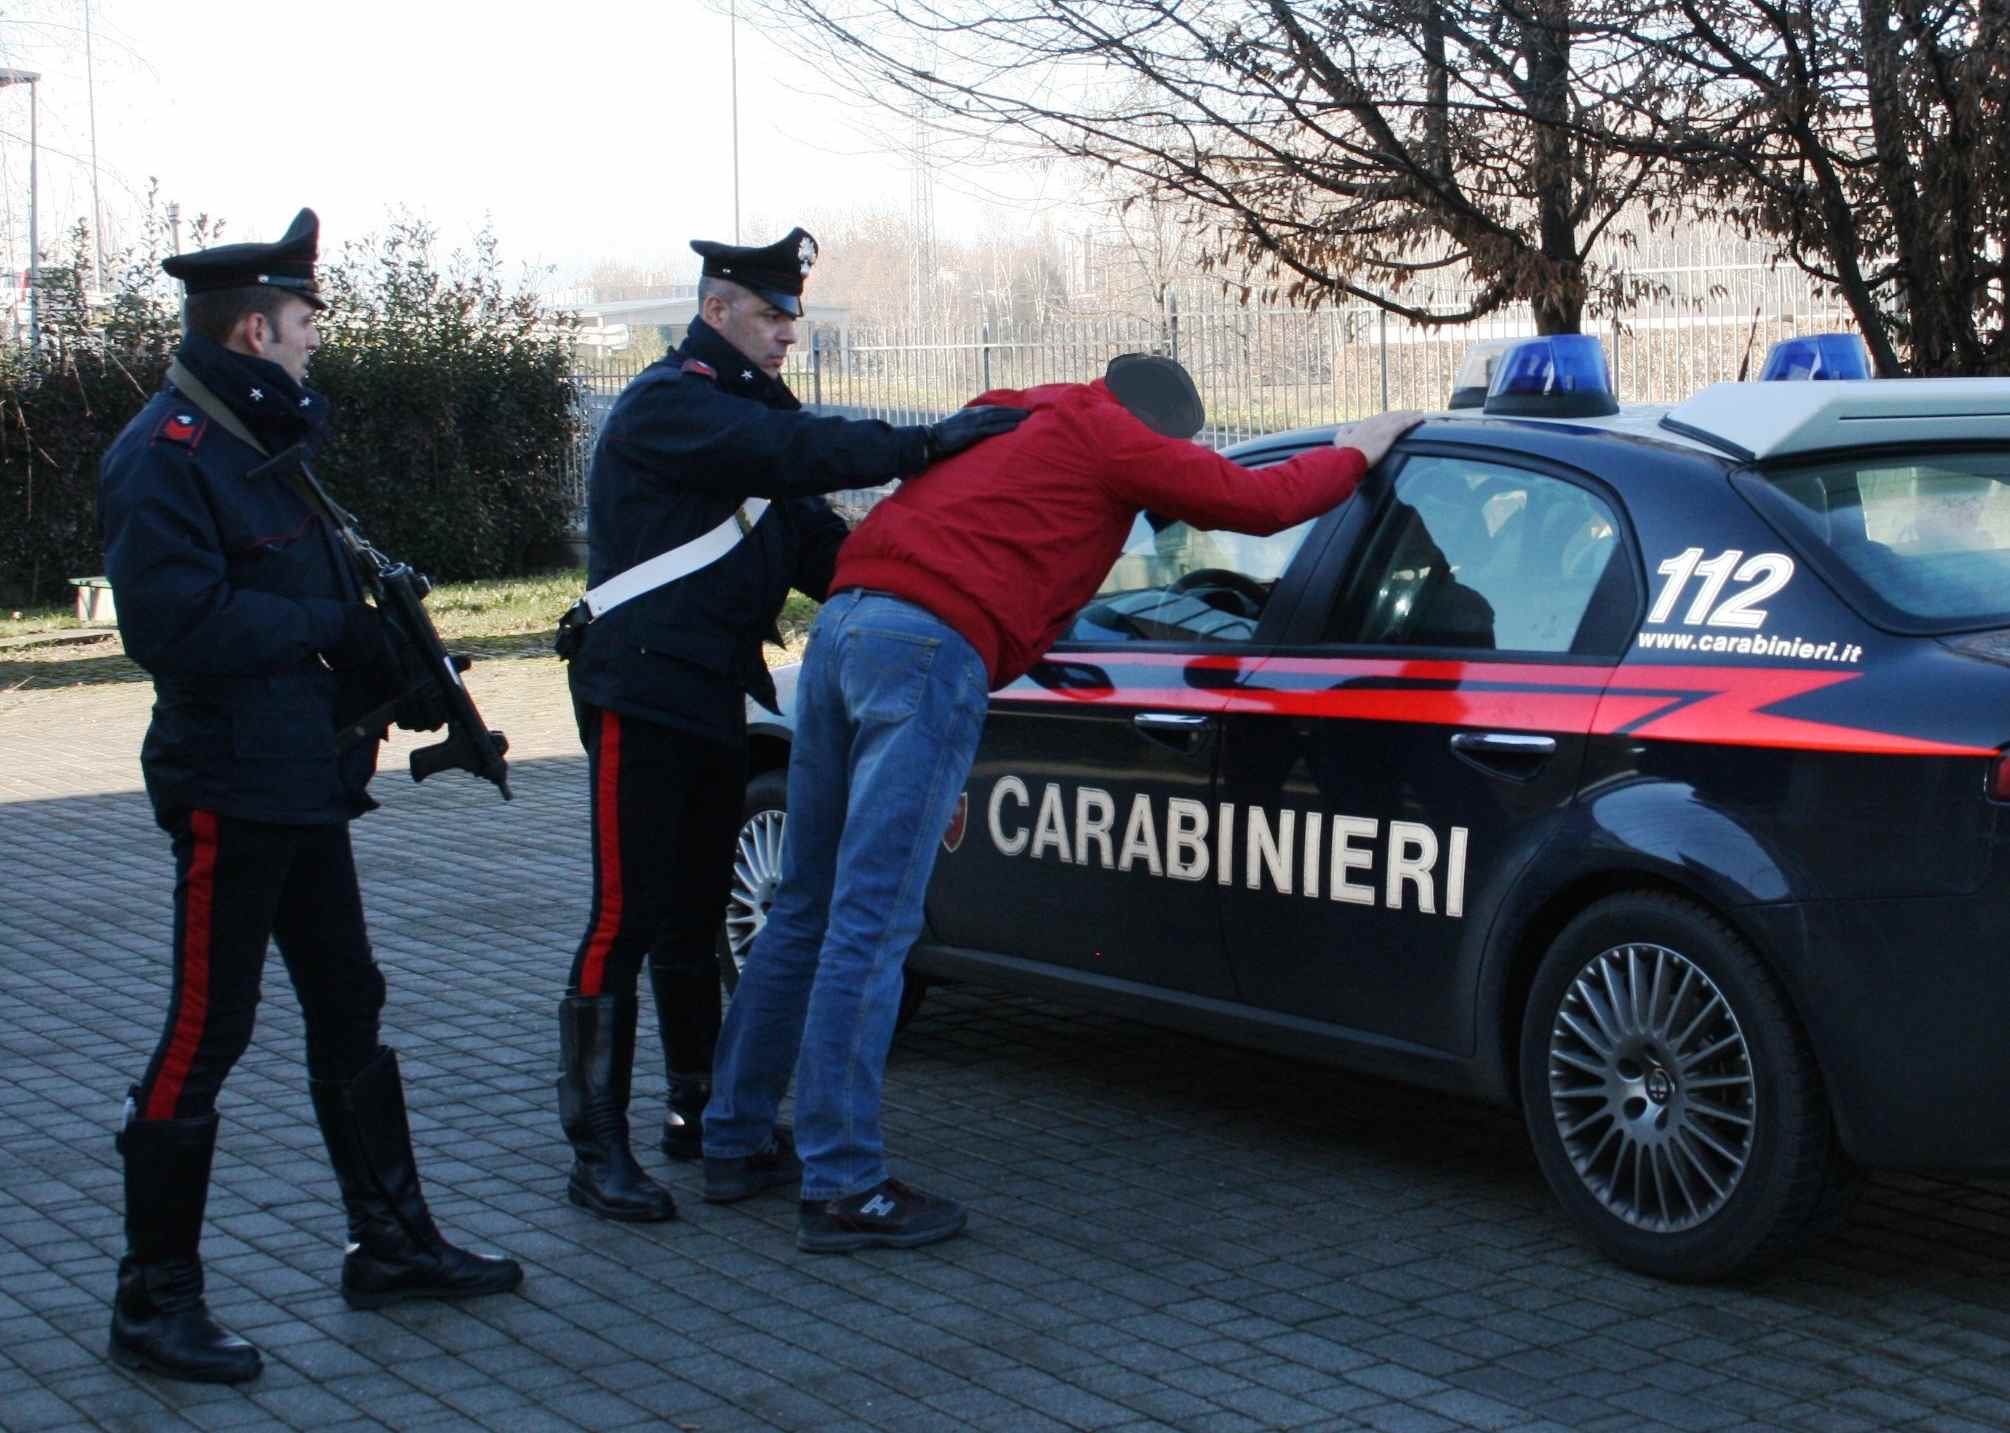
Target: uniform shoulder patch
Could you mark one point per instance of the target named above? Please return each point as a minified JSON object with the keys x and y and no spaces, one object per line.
{"x":183,"y":426}
{"x":702,"y":369}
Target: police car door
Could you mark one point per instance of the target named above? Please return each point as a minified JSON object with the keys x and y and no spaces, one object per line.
{"x":1388,"y":773}
{"x":1088,"y":837}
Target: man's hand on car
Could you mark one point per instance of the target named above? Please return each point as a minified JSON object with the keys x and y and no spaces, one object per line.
{"x":971,"y":425}
{"x":1373,"y":437}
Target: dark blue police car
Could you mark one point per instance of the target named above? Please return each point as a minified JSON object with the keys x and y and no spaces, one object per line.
{"x":1644,"y":769}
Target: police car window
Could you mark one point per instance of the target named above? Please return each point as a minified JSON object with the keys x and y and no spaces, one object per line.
{"x":1480,"y":556}
{"x":1176,"y":583}
{"x":1927,"y":535}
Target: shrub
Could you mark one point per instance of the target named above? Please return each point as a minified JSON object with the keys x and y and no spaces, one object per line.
{"x":454,"y":407}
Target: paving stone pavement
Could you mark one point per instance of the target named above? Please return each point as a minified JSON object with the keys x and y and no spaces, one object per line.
{"x":1166,"y":1233}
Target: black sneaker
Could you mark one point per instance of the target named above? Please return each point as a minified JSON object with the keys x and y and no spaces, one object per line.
{"x":891,"y":1215}
{"x":730,"y":1180}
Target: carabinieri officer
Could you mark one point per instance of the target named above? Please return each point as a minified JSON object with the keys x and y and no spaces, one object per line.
{"x":703,"y":510}
{"x":234,"y":595}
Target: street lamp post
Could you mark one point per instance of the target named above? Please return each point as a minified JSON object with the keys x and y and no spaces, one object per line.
{"x":28,"y":78}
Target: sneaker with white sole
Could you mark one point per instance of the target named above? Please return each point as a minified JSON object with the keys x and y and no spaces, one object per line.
{"x":890,"y":1215}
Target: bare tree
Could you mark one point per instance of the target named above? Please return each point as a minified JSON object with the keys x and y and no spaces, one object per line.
{"x":1439,"y":158}
{"x":1869,"y":139}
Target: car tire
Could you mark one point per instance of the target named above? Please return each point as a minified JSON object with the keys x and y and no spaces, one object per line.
{"x":757,"y":870}
{"x":1672,"y":1097}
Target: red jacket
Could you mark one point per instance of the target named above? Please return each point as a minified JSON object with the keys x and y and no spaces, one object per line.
{"x":1006,"y":540}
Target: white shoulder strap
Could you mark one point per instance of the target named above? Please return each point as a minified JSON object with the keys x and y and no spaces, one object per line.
{"x":679,"y":561}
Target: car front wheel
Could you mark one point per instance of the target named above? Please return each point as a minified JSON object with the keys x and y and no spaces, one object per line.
{"x":757,"y":874}
{"x":1674,"y":1103}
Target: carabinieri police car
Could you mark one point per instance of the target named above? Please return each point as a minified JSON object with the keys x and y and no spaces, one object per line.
{"x":1645,"y":769}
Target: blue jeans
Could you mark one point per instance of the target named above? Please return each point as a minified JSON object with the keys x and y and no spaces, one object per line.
{"x":889,"y":709}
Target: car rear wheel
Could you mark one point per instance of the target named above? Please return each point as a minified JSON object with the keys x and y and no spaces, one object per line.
{"x":757,"y":874}
{"x":1674,"y":1102}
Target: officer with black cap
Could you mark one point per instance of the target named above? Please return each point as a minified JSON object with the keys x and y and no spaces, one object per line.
{"x":704,"y":508}
{"x":234,"y":594}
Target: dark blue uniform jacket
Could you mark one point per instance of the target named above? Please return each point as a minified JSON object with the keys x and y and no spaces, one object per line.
{"x":227,"y":590}
{"x":696,"y":433}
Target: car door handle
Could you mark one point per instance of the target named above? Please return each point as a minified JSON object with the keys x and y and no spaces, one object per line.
{"x":1183,"y":730}
{"x":1510,"y":755}
{"x":1502,"y":743}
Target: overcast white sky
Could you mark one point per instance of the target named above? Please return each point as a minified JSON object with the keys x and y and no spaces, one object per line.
{"x":598,"y":129}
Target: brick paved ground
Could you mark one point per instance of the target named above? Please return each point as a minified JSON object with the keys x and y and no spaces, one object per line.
{"x":1167,"y":1233}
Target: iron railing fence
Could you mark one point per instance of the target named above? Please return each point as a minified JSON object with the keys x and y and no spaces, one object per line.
{"x":1264,"y":370}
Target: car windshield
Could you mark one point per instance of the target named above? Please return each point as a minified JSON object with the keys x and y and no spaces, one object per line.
{"x":1924,"y":536}
{"x":1175,"y":583}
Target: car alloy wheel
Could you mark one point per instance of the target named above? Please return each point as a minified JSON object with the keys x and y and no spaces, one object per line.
{"x":1672,"y":1098}
{"x":757,"y":871}
{"x":1651,"y":1087}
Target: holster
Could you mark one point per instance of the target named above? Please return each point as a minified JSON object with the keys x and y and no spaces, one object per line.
{"x":572,"y":630}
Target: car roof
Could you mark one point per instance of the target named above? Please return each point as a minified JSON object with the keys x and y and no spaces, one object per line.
{"x":1638,"y":423}
{"x":1734,"y":422}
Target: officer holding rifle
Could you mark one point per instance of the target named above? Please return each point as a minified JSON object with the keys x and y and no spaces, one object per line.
{"x":235,"y":593}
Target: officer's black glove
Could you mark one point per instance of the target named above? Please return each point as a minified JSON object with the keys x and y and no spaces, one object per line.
{"x":971,"y":425}
{"x":423,"y":708}
{"x":369,"y":644}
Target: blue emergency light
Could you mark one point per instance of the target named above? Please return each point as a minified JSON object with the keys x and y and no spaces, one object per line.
{"x":1816,"y":356}
{"x":1561,"y":376}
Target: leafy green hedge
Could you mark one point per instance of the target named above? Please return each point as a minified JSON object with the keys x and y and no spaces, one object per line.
{"x":454,"y":408}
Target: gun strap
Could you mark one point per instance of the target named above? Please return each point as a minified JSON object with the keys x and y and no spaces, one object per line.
{"x":311,"y":493}
{"x":197,"y":392}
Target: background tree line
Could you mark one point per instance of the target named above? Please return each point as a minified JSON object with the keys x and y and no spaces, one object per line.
{"x":1319,"y":150}
{"x":455,"y":411}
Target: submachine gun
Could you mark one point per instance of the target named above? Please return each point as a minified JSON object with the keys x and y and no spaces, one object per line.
{"x":400,"y":594}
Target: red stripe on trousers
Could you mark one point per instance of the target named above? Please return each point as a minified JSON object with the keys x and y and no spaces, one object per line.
{"x":607,"y":836}
{"x":192,"y":1009}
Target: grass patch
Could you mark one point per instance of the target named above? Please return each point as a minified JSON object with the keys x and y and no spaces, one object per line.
{"x":500,"y":618}
{"x":504,"y":606}
{"x":26,"y":621}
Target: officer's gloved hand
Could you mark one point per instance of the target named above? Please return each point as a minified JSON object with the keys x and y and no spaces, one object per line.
{"x":369,"y":643}
{"x":423,"y":708}
{"x":967,"y":426}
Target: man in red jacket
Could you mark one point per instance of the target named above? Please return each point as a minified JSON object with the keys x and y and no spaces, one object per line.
{"x":952,"y":588}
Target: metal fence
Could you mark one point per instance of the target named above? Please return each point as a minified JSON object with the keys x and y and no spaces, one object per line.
{"x":1263,"y":370}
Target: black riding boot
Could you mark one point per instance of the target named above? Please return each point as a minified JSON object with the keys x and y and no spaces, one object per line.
{"x":596,"y":1050}
{"x":687,"y":1016}
{"x":395,"y":1251}
{"x":159,"y":1319}
{"x":684,"y":1115}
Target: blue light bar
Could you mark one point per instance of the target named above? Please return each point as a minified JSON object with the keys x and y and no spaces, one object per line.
{"x":1816,"y":356}
{"x":1562,"y":376}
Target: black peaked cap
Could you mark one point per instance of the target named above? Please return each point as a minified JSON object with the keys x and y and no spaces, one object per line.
{"x":1158,"y":392}
{"x":776,"y":271}
{"x":287,"y":264}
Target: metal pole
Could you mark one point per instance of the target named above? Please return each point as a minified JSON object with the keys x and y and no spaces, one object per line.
{"x":733,"y":60}
{"x":1385,"y":360}
{"x":34,"y":236}
{"x":97,"y":212}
